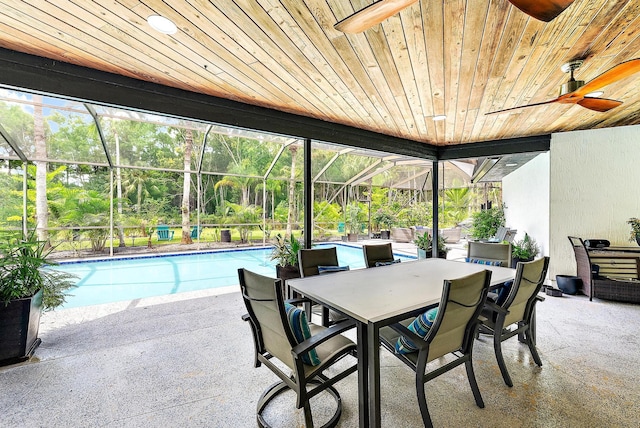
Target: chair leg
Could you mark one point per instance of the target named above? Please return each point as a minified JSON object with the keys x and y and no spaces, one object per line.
{"x":497,"y":346}
{"x":473,"y":383}
{"x":422,"y":402}
{"x":530,"y":340}
{"x":308,"y":418}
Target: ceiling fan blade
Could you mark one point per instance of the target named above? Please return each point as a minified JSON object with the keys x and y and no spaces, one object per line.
{"x":528,"y":105}
{"x":599,"y":104}
{"x":371,"y":15}
{"x":619,"y":72}
{"x":544,"y":10}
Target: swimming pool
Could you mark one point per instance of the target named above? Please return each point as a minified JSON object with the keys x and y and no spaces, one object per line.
{"x":114,"y":280}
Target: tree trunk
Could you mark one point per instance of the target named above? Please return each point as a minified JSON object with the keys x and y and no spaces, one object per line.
{"x":42,"y":207}
{"x":292,"y":189}
{"x":119,"y":192}
{"x":186,"y":188}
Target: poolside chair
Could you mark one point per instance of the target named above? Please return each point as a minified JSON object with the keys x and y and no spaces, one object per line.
{"x":296,"y":352}
{"x":378,"y":255}
{"x":518,"y":309}
{"x":164,"y":233}
{"x":195,"y":232}
{"x":453,"y":330}
{"x":314,"y":261}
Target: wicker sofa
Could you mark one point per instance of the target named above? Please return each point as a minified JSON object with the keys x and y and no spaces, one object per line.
{"x":607,"y":275}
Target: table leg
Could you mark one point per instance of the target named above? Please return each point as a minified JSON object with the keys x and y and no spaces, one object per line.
{"x":363,"y":375}
{"x":373,"y":339}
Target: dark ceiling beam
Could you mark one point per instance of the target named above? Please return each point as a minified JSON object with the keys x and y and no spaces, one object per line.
{"x":537,"y":143}
{"x":38,"y":74}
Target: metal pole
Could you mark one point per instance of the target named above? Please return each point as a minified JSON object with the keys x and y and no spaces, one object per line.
{"x":25,"y":185}
{"x":434,"y":189}
{"x":111,"y":212}
{"x":264,"y":212}
{"x":308,"y":195}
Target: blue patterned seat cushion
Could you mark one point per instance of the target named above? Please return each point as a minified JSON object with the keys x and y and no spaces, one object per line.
{"x":300,"y":328}
{"x":331,"y":269}
{"x":483,"y":262}
{"x":420,"y":326}
{"x":387,"y":263}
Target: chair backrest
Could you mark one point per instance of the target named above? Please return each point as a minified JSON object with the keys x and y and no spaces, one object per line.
{"x":195,"y":232}
{"x":377,"y":253}
{"x":492,"y":252}
{"x":526,"y":285}
{"x":583,"y":263}
{"x":501,"y":233}
{"x":461,"y":303}
{"x":310,"y":259}
{"x":263,"y":298}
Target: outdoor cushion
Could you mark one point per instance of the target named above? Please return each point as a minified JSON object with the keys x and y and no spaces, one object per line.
{"x":300,"y":328}
{"x":331,"y":269}
{"x":483,"y":262}
{"x":420,"y":326}
{"x":387,"y":263}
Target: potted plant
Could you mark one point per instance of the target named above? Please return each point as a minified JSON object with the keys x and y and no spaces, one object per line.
{"x":384,"y":217}
{"x":27,"y":286}
{"x":353,"y":221}
{"x":634,"y":236}
{"x":524,"y":250}
{"x":285,"y":251}
{"x":425,"y":246}
{"x":485,"y":223}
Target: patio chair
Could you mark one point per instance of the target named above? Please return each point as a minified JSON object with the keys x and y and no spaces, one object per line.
{"x":297,"y":352}
{"x":378,"y":255}
{"x":518,"y":309}
{"x":452,"y":332}
{"x":314,"y":261}
{"x":195,"y":232}
{"x":164,"y":233}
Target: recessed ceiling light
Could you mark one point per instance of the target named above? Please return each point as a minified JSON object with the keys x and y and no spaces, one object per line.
{"x":595,"y":94}
{"x":162,"y":24}
{"x":511,"y":164}
{"x":439,"y":117}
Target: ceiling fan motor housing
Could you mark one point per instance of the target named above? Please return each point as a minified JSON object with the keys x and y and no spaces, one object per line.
{"x":571,"y":86}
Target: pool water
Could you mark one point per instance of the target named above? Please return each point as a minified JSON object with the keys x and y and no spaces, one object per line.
{"x":114,"y":280}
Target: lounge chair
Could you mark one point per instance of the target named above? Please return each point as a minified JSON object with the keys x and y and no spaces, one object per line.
{"x":164,"y":233}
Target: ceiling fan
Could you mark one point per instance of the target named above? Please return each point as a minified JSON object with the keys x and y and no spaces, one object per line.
{"x":375,"y":13}
{"x":577,"y":92}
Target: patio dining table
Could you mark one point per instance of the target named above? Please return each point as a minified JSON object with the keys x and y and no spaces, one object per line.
{"x":380,"y":296}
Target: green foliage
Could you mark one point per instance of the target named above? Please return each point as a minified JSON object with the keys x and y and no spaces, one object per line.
{"x":285,"y":251}
{"x":486,"y":222}
{"x":384,"y":216}
{"x":635,"y":228}
{"x":456,"y":206}
{"x":326,"y":213}
{"x":525,"y":249}
{"x":424,"y":242}
{"x":25,"y":269}
{"x":354,"y":218}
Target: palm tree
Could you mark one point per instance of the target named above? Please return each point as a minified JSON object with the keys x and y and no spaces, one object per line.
{"x":42,"y":209}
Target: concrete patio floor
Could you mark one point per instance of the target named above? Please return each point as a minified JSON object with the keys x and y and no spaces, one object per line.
{"x":186,"y":360}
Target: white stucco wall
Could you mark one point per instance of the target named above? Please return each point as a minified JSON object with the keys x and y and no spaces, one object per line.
{"x":594,"y":178}
{"x":526,"y":195}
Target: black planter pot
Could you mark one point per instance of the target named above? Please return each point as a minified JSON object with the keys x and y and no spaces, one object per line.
{"x":287,"y":272}
{"x":19,"y":323}
{"x":515,"y":260}
{"x":427,"y":254}
{"x":225,"y":235}
{"x":385,"y":234}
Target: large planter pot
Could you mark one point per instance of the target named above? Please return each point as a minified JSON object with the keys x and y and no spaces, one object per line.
{"x":19,"y":323}
{"x":385,"y":234}
{"x":352,"y":237}
{"x":287,"y":272}
{"x":427,"y":254}
{"x":515,"y":260}
{"x":225,"y":235}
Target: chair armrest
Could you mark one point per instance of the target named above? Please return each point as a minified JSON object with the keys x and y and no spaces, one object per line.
{"x":323,"y":336}
{"x":418,"y":341}
{"x":494,"y":307}
{"x":540,"y":298}
{"x":298,"y":300}
{"x":246,"y":317}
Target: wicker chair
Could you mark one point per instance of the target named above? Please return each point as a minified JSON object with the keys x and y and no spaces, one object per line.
{"x":453,"y":332}
{"x":519,"y":309}
{"x":275,"y":339}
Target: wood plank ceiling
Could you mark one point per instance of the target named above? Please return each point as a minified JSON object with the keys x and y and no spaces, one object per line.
{"x":457,"y":58}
